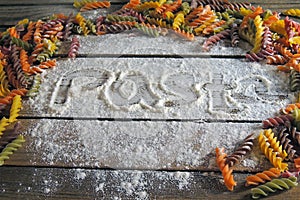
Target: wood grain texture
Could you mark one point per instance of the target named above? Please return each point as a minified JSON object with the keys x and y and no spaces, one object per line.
{"x":138,"y":145}
{"x":13,"y":11}
{"x":51,"y":165}
{"x":10,"y":15}
{"x":58,"y":183}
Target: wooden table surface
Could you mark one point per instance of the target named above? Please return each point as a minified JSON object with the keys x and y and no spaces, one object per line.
{"x":31,"y":173}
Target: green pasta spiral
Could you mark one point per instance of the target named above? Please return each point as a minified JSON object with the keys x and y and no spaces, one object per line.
{"x":147,"y":30}
{"x":91,"y":26}
{"x":11,"y":148}
{"x":35,"y":86}
{"x":273,"y":186}
{"x":118,"y":18}
{"x":21,"y":43}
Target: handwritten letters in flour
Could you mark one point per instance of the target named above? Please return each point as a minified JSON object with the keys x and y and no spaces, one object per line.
{"x":166,"y":88}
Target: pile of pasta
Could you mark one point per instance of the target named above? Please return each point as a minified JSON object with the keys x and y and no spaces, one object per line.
{"x":30,"y":47}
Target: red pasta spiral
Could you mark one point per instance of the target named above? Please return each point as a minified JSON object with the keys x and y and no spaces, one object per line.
{"x":73,"y":51}
{"x":241,"y":151}
{"x":215,"y":38}
{"x":276,"y":121}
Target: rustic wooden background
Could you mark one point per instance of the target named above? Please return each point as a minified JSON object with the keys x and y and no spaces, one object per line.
{"x":21,"y":178}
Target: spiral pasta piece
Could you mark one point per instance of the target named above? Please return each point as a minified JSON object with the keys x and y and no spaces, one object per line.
{"x":184,"y":34}
{"x":273,"y":186}
{"x":147,"y":5}
{"x":4,"y":122}
{"x":225,"y":169}
{"x":80,"y":3}
{"x":276,"y":60}
{"x":21,"y":43}
{"x":274,"y":143}
{"x":276,"y":121}
{"x":82,"y":23}
{"x":172,"y":7}
{"x":28,"y":36}
{"x":11,"y":148}
{"x":151,"y":31}
{"x":178,"y":20}
{"x":74,"y":47}
{"x":262,"y":177}
{"x":37,"y":35}
{"x":15,"y":108}
{"x":3,"y":83}
{"x":292,"y":12}
{"x":259,"y":34}
{"x":95,"y":5}
{"x":132,"y":4}
{"x":8,"y":98}
{"x":13,"y":32}
{"x":270,"y":153}
{"x":241,"y":151}
{"x":297,"y":163}
{"x":214,"y":39}
{"x":283,"y":135}
{"x":194,"y":13}
{"x":9,"y":137}
{"x":289,"y":108}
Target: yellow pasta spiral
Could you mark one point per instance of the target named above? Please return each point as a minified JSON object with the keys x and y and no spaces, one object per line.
{"x":147,"y":5}
{"x":82,"y":23}
{"x":275,"y":144}
{"x":15,"y":108}
{"x":245,"y":11}
{"x":259,"y":34}
{"x":295,"y":40}
{"x":179,"y":19}
{"x":271,"y":154}
{"x":292,"y":12}
{"x":278,"y":27}
{"x":3,"y":124}
{"x":3,"y":83}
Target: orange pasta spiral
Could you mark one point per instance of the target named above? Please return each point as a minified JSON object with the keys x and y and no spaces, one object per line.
{"x":172,"y":7}
{"x":8,"y":99}
{"x":297,"y":163}
{"x":132,"y":4}
{"x":194,"y":14}
{"x":226,"y":171}
{"x":13,"y":32}
{"x":37,"y":36}
{"x":30,"y":30}
{"x":262,"y":177}
{"x":95,"y":5}
{"x":44,"y":65}
{"x":289,"y":109}
{"x":184,"y":34}
{"x":24,"y":61}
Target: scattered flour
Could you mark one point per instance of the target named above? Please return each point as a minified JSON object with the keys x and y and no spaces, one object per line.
{"x":133,"y":144}
{"x":147,"y":88}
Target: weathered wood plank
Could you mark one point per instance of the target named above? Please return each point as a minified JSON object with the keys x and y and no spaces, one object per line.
{"x":133,"y":144}
{"x":161,"y":88}
{"x":53,"y":183}
{"x":10,"y":15}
